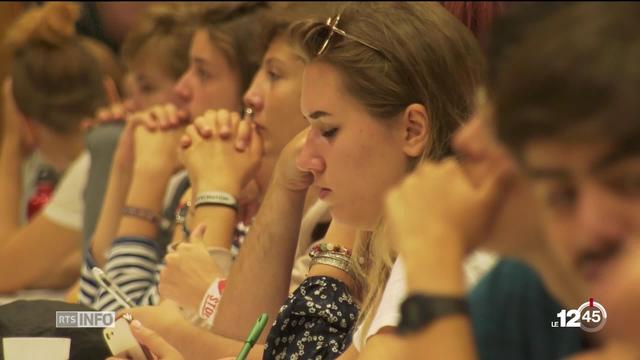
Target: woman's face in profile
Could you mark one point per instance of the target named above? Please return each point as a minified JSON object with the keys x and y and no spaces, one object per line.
{"x":354,"y":157}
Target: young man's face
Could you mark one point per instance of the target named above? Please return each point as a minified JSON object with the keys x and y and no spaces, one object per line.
{"x":589,"y":194}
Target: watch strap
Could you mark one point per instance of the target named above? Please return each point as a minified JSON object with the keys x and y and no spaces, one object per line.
{"x":419,"y":310}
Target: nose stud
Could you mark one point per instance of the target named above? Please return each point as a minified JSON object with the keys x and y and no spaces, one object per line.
{"x":247,"y":113}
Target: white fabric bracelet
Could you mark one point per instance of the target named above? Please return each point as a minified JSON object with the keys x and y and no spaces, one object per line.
{"x":211,"y":299}
{"x":216,"y":198}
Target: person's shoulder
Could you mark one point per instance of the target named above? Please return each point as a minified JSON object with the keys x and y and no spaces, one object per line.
{"x":512,"y":314}
{"x":507,"y":278}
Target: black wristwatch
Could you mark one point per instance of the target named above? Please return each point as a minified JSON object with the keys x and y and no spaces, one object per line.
{"x":420,"y":310}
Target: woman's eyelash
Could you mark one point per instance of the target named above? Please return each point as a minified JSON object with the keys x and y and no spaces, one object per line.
{"x":330,"y":133}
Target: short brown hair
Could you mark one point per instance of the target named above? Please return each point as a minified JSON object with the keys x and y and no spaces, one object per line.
{"x":574,"y":76}
{"x":170,"y":24}
{"x":234,"y":28}
{"x":55,"y":77}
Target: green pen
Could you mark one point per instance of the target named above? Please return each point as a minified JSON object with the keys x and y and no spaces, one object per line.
{"x":254,"y":334}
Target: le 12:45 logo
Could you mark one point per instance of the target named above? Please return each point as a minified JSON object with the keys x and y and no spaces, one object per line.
{"x":590,"y":316}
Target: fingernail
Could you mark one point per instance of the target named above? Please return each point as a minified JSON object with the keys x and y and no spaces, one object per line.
{"x":224,"y":129}
{"x":241,"y":145}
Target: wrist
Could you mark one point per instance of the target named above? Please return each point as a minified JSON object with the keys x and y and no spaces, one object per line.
{"x":436,"y":268}
{"x":147,"y":191}
{"x":222,"y":186}
{"x":143,"y":168}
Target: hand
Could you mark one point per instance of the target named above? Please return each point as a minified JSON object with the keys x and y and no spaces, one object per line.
{"x":114,"y":113}
{"x":16,"y":128}
{"x":152,"y":119}
{"x":188,"y":272}
{"x":157,"y":150}
{"x":220,"y":152}
{"x":287,"y":172}
{"x":156,"y":143}
{"x":161,"y":349}
{"x":160,"y":318}
{"x":438,"y":203}
{"x":517,"y":227}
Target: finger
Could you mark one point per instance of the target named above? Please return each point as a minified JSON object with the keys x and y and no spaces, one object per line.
{"x":172,"y":118}
{"x":255,"y":147}
{"x":111,"y":90}
{"x":203,"y":126}
{"x":244,"y":136}
{"x":210,"y":119}
{"x":159,"y":115}
{"x":235,"y":122}
{"x":197,"y":235}
{"x":183,"y":116}
{"x":192,"y":133}
{"x":118,"y":112}
{"x":495,"y":188}
{"x":156,"y":344}
{"x":185,"y":141}
{"x":143,"y":118}
{"x":103,"y":114}
{"x":223,"y":124}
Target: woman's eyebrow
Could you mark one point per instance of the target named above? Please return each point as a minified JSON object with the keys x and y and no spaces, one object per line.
{"x":318,"y":114}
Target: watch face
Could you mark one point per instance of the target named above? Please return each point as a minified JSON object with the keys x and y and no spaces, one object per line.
{"x":414,"y":312}
{"x":419,"y":310}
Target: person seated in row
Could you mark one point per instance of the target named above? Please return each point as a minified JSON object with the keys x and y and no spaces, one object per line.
{"x":57,"y":79}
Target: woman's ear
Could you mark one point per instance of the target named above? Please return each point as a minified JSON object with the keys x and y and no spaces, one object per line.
{"x":415,"y":128}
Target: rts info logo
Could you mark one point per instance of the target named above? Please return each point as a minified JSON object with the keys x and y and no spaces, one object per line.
{"x":590,"y":317}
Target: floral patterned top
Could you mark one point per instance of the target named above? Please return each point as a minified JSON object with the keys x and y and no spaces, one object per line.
{"x":317,"y":322}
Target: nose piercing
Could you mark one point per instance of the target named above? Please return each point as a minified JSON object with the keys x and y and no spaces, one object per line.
{"x":248,"y":113}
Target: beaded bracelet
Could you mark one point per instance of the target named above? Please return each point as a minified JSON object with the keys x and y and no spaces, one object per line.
{"x":181,"y":218}
{"x":328,"y":247}
{"x":158,"y":220}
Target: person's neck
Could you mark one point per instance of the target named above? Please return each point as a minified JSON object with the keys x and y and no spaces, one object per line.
{"x":59,"y":150}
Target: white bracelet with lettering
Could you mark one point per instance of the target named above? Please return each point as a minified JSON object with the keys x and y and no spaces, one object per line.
{"x":211,"y":299}
{"x":216,"y":198}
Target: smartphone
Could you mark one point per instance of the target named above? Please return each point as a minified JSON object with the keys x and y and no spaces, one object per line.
{"x":122,"y":343}
{"x":111,"y":288}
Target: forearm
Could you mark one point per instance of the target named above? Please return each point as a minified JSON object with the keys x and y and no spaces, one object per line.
{"x":64,"y":275}
{"x":259,"y":279}
{"x":220,"y":221}
{"x":440,"y":273}
{"x":10,"y":188}
{"x":35,"y":249}
{"x":110,"y":214}
{"x":147,"y":190}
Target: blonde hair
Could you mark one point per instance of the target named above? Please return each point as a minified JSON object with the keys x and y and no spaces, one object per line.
{"x":423,"y":55}
{"x":54,"y":74}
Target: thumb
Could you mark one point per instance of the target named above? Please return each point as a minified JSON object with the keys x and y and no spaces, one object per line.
{"x":256,"y":147}
{"x":154,"y":342}
{"x":197,"y":234}
{"x":495,"y":188}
